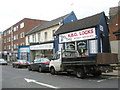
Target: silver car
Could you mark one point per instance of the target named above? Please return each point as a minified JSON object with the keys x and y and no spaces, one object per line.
{"x":3,"y":61}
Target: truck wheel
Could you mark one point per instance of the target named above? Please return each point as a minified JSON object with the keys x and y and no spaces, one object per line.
{"x":80,"y":74}
{"x":52,"y":70}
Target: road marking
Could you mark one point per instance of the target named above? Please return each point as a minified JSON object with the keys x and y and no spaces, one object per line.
{"x":107,"y":79}
{"x":43,"y":84}
{"x":101,"y":80}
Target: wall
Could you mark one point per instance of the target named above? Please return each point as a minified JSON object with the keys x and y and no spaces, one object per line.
{"x":115,"y":48}
{"x":28,"y":25}
{"x":105,"y":34}
{"x":42,"y":35}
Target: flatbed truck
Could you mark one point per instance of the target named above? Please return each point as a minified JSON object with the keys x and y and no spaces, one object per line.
{"x":71,"y":62}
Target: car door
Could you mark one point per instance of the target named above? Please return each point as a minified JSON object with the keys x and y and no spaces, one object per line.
{"x":33,"y":65}
{"x":36,"y":64}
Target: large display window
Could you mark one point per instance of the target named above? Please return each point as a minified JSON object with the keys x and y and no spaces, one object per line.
{"x":81,"y":46}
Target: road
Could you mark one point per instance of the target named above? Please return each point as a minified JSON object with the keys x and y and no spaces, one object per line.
{"x":22,"y":78}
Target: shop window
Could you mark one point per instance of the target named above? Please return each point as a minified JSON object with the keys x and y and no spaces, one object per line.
{"x":82,"y":47}
{"x":70,"y":46}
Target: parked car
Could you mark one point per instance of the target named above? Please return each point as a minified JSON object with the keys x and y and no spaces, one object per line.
{"x":41,"y":64}
{"x":3,"y":61}
{"x":20,"y":63}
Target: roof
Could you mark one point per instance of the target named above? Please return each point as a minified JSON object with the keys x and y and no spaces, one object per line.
{"x":47,"y":25}
{"x":80,"y":24}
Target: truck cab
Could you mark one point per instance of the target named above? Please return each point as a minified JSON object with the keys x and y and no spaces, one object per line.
{"x":56,"y":63}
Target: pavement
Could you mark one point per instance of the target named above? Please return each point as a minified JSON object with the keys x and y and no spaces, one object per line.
{"x":114,"y":73}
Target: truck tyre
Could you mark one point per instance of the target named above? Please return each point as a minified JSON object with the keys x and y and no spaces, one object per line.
{"x":80,"y":74}
{"x":52,"y":70}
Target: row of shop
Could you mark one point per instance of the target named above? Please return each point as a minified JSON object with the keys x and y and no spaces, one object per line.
{"x":89,"y":36}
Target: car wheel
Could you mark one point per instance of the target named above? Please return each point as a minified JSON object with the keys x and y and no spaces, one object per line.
{"x":13,"y":66}
{"x":29,"y":68}
{"x":40,"y":69}
{"x":17,"y":66}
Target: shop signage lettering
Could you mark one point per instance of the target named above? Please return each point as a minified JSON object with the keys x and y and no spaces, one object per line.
{"x":78,"y":35}
{"x":81,"y":33}
{"x":24,"y":49}
{"x":42,"y":47}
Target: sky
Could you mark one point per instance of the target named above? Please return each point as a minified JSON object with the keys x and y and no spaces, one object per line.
{"x":12,"y":11}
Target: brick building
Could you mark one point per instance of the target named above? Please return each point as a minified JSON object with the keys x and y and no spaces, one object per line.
{"x":0,"y":44}
{"x":15,"y":36}
{"x":114,"y":29}
{"x":114,"y":23}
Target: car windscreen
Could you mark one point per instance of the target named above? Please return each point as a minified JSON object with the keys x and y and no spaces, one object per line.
{"x":2,"y":59}
{"x":44,"y":60}
{"x":22,"y":61}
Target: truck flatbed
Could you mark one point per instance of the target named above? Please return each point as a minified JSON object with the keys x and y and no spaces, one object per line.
{"x":100,"y":58}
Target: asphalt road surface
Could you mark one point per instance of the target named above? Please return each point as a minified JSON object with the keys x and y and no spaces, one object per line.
{"x":22,"y":78}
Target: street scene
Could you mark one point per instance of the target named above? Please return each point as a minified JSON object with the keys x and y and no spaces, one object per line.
{"x":22,"y":78}
{"x":76,"y":46}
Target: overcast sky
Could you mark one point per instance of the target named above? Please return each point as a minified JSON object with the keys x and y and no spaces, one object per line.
{"x":12,"y":11}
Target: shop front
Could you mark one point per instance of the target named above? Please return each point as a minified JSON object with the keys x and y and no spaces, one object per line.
{"x":41,"y":51}
{"x":24,"y":53}
{"x":88,"y":36}
{"x":80,"y":40}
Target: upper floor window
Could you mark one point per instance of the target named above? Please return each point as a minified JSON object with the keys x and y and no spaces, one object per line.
{"x":22,"y":25}
{"x":22,"y":44}
{"x":33,"y":38}
{"x":9,"y":39}
{"x":22,"y":35}
{"x":9,"y":47}
{"x":15,"y":29}
{"x":38,"y":37}
{"x":15,"y":46}
{"x":45,"y":35}
{"x":4,"y":47}
{"x":4,"y":33}
{"x":53,"y":33}
{"x":4,"y":40}
{"x":28,"y":39}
